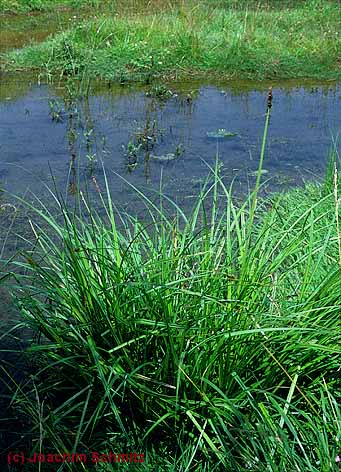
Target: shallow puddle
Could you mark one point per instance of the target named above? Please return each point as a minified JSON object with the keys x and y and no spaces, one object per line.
{"x":49,"y":142}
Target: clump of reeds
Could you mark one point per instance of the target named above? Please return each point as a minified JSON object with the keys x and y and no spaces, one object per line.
{"x":208,"y":340}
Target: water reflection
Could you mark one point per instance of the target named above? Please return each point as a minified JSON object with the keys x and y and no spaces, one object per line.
{"x":136,"y":136}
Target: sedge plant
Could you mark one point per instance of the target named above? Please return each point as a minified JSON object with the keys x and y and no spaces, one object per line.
{"x":207,"y":341}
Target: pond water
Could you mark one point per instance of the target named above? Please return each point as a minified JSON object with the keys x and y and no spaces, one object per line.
{"x":43,"y":135}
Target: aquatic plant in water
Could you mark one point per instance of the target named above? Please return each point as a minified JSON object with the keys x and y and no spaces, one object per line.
{"x":254,"y":173}
{"x":131,"y":151}
{"x":55,"y":110}
{"x":220,"y":133}
{"x":170,"y":156}
{"x":160,"y":92}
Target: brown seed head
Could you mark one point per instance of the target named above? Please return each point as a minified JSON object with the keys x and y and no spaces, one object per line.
{"x":270,"y":97}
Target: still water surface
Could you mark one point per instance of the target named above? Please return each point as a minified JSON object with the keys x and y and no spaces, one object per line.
{"x":42,"y":135}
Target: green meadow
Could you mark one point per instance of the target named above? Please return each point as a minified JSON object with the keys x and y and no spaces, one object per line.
{"x":144,"y":40}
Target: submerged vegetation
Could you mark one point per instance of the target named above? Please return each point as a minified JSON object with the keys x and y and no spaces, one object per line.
{"x":221,"y":133}
{"x":232,"y":39}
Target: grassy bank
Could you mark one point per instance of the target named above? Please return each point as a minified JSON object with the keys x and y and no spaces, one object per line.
{"x":206,"y":341}
{"x":202,"y":38}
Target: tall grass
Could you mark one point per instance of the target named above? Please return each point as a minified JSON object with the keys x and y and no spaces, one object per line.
{"x":207,"y":341}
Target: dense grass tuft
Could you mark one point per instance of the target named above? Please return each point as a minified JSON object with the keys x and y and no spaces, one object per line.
{"x":207,"y":341}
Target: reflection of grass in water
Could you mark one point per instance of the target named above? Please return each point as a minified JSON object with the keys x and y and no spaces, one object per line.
{"x":13,"y":86}
{"x":249,"y":43}
{"x":206,"y":338}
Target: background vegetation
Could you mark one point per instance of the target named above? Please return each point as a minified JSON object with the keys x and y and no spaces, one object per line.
{"x":272,"y":40}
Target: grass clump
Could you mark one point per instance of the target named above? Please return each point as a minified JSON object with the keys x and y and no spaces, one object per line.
{"x":207,"y":342}
{"x":254,"y":42}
